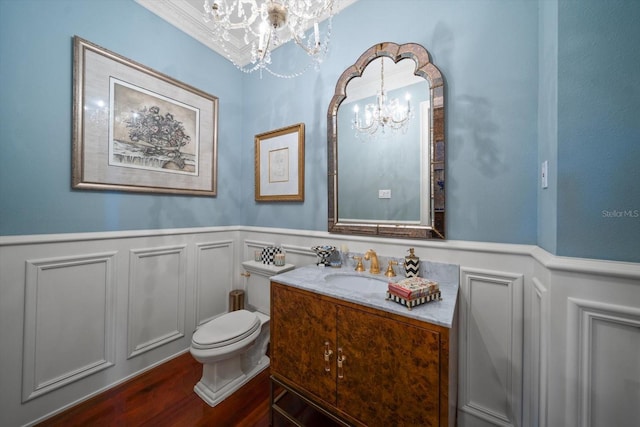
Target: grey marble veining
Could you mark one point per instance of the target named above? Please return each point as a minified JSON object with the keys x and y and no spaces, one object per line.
{"x":372,"y":293}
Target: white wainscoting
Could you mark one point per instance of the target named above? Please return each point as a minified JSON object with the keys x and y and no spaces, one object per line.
{"x":80,"y":313}
{"x":543,"y":340}
{"x":603,"y":356}
{"x":157,"y":286}
{"x":491,"y":316}
{"x":215,"y":271}
{"x":538,"y":348}
{"x":592,"y":361}
{"x":68,"y":321}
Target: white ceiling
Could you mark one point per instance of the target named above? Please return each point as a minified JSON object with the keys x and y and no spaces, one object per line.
{"x":187,"y":15}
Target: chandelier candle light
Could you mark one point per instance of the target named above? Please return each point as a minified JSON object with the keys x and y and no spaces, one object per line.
{"x":384,"y":113}
{"x":267,"y":24}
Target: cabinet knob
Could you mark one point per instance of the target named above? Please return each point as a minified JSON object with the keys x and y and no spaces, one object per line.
{"x":327,"y":355}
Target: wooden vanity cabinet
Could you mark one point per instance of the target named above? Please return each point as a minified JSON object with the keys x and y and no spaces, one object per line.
{"x":395,"y":369}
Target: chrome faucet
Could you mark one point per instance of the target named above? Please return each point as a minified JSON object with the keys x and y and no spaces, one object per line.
{"x":375,"y":267}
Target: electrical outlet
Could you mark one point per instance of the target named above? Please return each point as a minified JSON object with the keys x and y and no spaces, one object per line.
{"x":544,"y":174}
{"x":384,"y":194}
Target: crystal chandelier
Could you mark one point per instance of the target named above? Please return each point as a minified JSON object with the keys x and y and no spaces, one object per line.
{"x":384,"y":113}
{"x":266,"y":24}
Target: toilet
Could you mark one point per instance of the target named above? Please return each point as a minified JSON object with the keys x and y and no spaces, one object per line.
{"x":232,"y":347}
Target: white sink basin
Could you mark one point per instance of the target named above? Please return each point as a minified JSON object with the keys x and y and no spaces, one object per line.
{"x":357,"y":283}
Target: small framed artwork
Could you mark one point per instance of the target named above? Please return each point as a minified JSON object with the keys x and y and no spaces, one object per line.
{"x":135,"y":129}
{"x":280,"y":164}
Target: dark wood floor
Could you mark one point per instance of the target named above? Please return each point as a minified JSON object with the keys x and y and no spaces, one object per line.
{"x":164,"y":396}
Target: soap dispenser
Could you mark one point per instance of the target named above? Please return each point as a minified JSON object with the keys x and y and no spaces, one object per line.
{"x":335,"y":260}
{"x":411,"y":264}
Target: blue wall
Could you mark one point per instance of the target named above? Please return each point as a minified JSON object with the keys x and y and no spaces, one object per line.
{"x":599,"y":129}
{"x":491,"y":110}
{"x":35,"y":106}
{"x":511,"y":102}
{"x":548,"y":123}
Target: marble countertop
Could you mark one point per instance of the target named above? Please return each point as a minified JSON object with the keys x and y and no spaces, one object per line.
{"x":318,"y":279}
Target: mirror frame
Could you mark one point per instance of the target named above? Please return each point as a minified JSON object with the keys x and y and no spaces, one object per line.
{"x":428,"y":71}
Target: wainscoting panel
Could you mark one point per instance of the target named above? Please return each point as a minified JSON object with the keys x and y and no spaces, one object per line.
{"x":604,"y":351}
{"x":490,"y":387}
{"x":538,"y":345}
{"x":69,"y":321}
{"x":214,"y":278}
{"x":157,"y":287}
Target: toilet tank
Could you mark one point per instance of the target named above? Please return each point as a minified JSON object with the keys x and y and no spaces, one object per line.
{"x":258,"y":284}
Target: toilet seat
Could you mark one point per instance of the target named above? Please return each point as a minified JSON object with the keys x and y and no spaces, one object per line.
{"x":226,"y":329}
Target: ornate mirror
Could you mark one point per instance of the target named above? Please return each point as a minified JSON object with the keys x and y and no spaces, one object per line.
{"x":386,"y":153}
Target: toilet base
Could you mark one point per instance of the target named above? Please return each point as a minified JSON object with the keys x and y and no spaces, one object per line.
{"x":213,"y":397}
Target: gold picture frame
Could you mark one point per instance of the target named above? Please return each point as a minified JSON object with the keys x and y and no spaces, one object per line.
{"x":135,"y":129}
{"x":279,"y":168}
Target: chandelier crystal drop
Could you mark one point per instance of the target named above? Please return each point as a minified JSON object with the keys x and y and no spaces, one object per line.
{"x":266,"y":24}
{"x":383,"y":114}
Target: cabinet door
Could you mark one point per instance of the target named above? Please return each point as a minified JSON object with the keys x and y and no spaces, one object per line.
{"x":301,"y":323}
{"x":391,"y":371}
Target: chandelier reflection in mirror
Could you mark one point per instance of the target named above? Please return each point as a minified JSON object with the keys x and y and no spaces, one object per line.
{"x":266,"y":24}
{"x":383,"y":114}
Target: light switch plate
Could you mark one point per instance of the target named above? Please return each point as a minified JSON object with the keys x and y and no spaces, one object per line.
{"x":544,"y":174}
